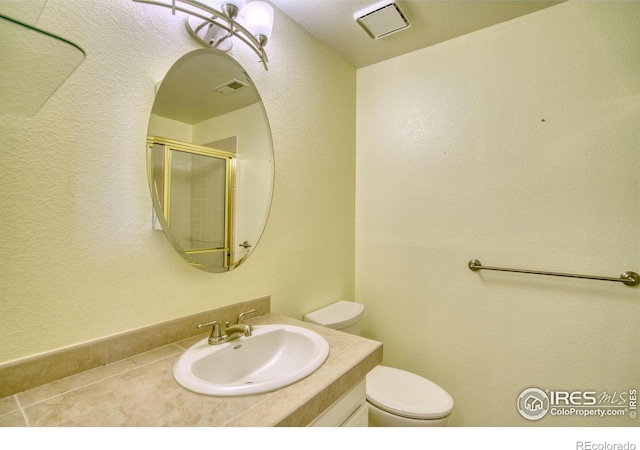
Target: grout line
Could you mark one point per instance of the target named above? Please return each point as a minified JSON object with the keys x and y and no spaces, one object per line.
{"x":269,"y":396}
{"x":22,"y":411}
{"x":107,"y":377}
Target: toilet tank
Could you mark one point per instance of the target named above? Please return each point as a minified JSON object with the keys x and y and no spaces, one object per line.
{"x":342,"y":315}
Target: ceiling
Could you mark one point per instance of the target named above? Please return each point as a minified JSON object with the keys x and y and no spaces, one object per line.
{"x":188,"y":92}
{"x":332,"y":22}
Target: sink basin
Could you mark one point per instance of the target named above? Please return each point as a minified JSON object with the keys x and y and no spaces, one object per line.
{"x":275,"y":356}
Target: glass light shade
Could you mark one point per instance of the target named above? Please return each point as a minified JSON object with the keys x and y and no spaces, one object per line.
{"x":237,"y":3}
{"x":258,"y":18}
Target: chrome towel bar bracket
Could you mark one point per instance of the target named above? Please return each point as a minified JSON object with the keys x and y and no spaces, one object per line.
{"x":629,"y":278}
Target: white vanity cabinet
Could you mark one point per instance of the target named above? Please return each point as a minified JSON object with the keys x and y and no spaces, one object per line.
{"x":350,"y":410}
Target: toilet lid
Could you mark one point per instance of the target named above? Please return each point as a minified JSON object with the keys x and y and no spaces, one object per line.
{"x":407,"y":394}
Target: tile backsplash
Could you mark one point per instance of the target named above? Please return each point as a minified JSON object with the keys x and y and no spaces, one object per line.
{"x":20,"y":375}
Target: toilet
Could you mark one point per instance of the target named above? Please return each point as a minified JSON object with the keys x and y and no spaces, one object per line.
{"x":395,"y":397}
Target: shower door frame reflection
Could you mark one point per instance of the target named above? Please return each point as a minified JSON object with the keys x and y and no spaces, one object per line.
{"x":161,"y":157}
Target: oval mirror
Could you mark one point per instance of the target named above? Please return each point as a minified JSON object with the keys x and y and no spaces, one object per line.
{"x":210,"y":160}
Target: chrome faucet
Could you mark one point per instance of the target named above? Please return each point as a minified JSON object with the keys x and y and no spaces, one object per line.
{"x":232,"y":332}
{"x":236,"y":331}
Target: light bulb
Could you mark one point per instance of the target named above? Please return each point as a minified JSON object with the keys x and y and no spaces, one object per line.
{"x":259,"y":18}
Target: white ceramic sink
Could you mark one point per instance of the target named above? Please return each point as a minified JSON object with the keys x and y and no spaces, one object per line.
{"x":273,"y":357}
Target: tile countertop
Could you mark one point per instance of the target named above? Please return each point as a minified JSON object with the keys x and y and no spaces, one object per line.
{"x":140,"y":391}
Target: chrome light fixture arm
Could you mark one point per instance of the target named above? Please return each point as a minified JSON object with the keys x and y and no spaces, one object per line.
{"x":211,"y":16}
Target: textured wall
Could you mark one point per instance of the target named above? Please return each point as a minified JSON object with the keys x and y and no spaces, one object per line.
{"x":516,"y":145}
{"x":79,"y":257}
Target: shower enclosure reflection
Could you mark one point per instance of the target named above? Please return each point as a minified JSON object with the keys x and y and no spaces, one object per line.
{"x":210,"y":161}
{"x":194,"y":187}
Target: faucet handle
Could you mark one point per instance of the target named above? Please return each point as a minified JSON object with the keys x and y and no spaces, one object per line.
{"x":241,"y":316}
{"x":215,"y":332}
{"x":202,"y":325}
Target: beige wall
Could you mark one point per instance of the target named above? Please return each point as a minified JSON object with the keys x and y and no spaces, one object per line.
{"x":79,"y":257}
{"x":516,"y":145}
{"x":454,"y":161}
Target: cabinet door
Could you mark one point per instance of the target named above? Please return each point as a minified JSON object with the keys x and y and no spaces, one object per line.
{"x":360,"y":418}
{"x":347,"y":410}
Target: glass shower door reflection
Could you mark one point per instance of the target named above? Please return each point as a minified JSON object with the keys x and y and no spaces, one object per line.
{"x":193,"y":191}
{"x":199,"y":206}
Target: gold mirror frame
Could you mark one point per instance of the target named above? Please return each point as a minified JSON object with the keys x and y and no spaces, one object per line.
{"x":210,"y":161}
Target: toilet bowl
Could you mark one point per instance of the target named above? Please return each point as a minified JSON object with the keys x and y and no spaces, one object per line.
{"x":395,"y":397}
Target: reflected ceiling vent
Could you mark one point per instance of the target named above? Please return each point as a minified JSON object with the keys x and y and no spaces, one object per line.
{"x":384,"y":18}
{"x":230,"y":87}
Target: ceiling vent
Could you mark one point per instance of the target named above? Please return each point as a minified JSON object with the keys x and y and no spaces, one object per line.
{"x":230,"y":87}
{"x":384,"y":18}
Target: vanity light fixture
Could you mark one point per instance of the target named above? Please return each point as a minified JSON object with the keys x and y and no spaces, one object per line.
{"x":213,"y":23}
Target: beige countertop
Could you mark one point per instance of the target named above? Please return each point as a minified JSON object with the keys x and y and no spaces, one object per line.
{"x":140,"y":391}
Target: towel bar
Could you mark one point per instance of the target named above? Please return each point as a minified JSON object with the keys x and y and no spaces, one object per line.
{"x":629,"y":278}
